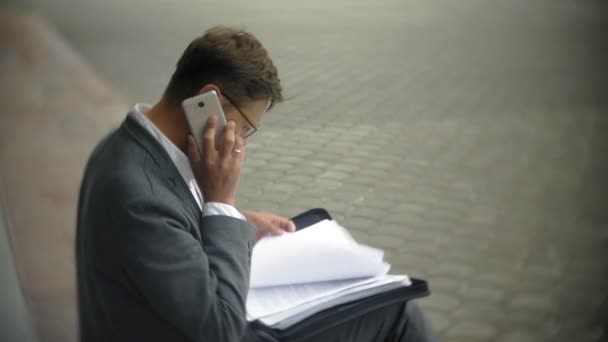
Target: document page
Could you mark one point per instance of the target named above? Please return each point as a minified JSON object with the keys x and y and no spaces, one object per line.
{"x":307,"y":301}
{"x":269,"y":300}
{"x":285,"y":319}
{"x":322,"y":252}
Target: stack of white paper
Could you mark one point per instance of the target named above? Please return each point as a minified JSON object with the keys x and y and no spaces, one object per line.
{"x":297,"y":275}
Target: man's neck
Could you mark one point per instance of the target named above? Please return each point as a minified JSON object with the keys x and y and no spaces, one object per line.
{"x":171,"y":121}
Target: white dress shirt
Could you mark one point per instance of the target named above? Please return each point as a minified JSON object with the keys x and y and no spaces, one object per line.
{"x":183,"y":166}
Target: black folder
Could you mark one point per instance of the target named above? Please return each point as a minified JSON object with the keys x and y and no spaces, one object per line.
{"x":341,"y":313}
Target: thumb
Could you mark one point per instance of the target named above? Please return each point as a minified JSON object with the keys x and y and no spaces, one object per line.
{"x":285,"y":224}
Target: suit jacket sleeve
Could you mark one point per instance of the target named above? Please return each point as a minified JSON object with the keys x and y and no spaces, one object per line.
{"x":199,"y":288}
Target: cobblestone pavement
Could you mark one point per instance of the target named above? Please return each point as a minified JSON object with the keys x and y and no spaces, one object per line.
{"x":466,"y":138}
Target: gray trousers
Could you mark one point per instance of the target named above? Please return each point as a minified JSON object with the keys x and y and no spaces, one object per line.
{"x":401,"y":322}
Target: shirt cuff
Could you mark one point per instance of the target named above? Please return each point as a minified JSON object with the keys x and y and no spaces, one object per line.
{"x":216,"y":208}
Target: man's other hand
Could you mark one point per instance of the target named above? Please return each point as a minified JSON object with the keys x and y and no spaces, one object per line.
{"x":269,"y":224}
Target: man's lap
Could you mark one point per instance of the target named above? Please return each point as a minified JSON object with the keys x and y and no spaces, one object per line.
{"x":398,"y":322}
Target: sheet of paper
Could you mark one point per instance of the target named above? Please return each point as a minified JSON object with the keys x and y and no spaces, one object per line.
{"x":286,"y":319}
{"x":322,"y":252}
{"x":269,"y":300}
{"x":321,"y":302}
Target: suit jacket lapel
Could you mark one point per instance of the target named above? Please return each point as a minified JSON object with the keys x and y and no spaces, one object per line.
{"x":164,"y":162}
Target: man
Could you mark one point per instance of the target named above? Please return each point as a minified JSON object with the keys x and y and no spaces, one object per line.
{"x":162,"y":253}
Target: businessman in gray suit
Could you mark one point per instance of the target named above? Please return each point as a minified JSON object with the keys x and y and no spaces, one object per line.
{"x":162,"y":252}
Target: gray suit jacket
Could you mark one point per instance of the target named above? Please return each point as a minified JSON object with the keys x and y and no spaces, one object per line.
{"x":150,"y":266}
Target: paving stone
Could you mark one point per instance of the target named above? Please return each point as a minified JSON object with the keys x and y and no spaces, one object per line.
{"x":472,"y":330}
{"x":441,"y":302}
{"x":274,"y":195}
{"x":266,"y":175}
{"x":424,"y":237}
{"x":334,"y":175}
{"x":297,"y":179}
{"x":439,"y":321}
{"x":447,"y":285}
{"x":470,"y":257}
{"x":361,"y":223}
{"x":496,"y":279}
{"x":409,"y":207}
{"x":393,"y":229}
{"x":484,"y":294}
{"x":279,"y":166}
{"x":335,"y":207}
{"x":372,"y":213}
{"x":519,"y":336}
{"x":384,"y":241}
{"x":453,"y":269}
{"x":475,"y":310}
{"x":361,"y":235}
{"x":256,"y":205}
{"x":404,"y":218}
{"x":423,"y":250}
{"x":533,"y":302}
{"x":543,"y":324}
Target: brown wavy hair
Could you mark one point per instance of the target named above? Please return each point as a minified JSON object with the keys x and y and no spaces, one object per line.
{"x":231,"y":58}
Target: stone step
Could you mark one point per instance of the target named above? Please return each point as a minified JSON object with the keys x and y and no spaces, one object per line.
{"x":54,"y":110}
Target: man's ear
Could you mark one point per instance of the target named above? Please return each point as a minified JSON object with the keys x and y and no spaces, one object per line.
{"x":210,"y":87}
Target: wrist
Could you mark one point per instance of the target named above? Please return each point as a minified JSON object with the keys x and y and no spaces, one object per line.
{"x":228,"y":201}
{"x":249,"y":215}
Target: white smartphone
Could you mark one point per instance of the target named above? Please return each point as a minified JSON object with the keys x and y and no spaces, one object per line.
{"x":198,"y":109}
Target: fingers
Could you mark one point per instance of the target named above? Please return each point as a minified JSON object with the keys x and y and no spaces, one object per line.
{"x":268,"y":230}
{"x":209,"y":135}
{"x":291,"y":226}
{"x":229,"y":138}
{"x":286,"y":224}
{"x":277,"y":225}
{"x":283,"y":224}
{"x":272,"y":225}
{"x":239,"y":146}
{"x":217,"y":172}
{"x":239,"y":143}
{"x":192,"y":150}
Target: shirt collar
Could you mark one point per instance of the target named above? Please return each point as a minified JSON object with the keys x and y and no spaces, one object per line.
{"x":177,"y":156}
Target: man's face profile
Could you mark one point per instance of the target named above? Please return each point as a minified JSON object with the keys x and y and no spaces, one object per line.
{"x":250,"y":114}
{"x":247,"y":115}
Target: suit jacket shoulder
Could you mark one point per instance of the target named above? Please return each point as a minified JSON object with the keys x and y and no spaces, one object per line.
{"x":144,"y":247}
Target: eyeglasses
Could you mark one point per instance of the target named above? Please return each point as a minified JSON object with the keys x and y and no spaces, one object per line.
{"x":246,"y":130}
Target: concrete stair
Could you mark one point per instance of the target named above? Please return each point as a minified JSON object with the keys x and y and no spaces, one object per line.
{"x":54,"y":110}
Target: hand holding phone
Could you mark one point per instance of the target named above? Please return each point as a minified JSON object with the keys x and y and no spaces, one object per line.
{"x":198,"y":110}
{"x":216,"y":168}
